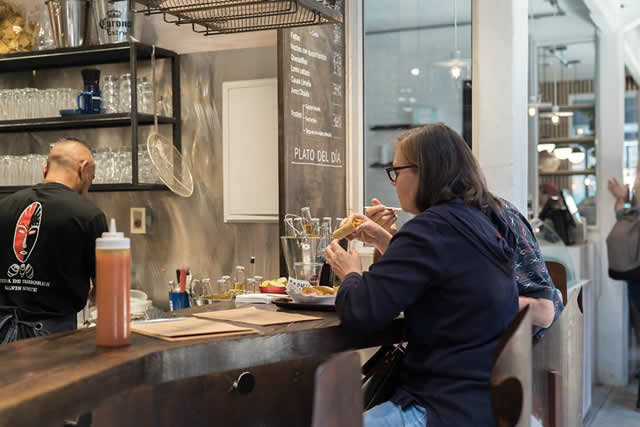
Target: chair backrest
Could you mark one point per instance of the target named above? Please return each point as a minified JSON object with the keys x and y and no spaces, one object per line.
{"x":558,"y":273}
{"x":337,"y":395}
{"x":510,"y":380}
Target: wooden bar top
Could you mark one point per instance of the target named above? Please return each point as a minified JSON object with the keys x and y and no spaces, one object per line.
{"x":44,"y":380}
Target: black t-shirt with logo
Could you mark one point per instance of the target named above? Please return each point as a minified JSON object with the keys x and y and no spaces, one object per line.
{"x":47,"y":250}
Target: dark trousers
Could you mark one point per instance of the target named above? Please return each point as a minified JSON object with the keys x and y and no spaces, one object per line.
{"x":634,"y":308}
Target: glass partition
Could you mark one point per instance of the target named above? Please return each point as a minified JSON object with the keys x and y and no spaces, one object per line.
{"x":417,"y":70}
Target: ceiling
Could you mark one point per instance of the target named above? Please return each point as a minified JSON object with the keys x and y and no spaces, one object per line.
{"x":385,"y":15}
{"x":566,"y":23}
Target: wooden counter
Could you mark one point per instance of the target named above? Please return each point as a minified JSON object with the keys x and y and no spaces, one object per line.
{"x":45,"y":380}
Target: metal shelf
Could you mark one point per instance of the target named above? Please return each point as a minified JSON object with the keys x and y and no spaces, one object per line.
{"x":398,"y":126}
{"x":78,"y":56}
{"x":79,"y":122}
{"x":586,"y":140}
{"x":571,"y":107}
{"x":569,"y":173}
{"x":380,"y":165}
{"x":128,"y":52}
{"x":211,"y":17}
{"x":98,"y":188}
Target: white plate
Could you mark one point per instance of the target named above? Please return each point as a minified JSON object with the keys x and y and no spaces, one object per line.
{"x":314,"y":299}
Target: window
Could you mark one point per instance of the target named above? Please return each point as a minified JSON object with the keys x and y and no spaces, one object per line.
{"x":417,"y":58}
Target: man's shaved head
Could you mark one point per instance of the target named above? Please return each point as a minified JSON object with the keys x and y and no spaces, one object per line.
{"x":68,"y":153}
{"x":71,"y":163}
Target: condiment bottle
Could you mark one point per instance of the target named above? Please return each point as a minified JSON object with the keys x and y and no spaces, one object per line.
{"x":113,"y":280}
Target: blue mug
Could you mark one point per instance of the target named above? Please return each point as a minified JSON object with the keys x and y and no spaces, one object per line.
{"x":89,"y":103}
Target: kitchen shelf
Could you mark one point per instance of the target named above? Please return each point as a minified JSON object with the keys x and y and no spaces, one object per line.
{"x":399,"y":126}
{"x":210,"y":17}
{"x":78,"y":56}
{"x":569,"y":173}
{"x":586,"y":140}
{"x":98,"y":188}
{"x":571,"y":107}
{"x":127,"y":52}
{"x":86,"y":121}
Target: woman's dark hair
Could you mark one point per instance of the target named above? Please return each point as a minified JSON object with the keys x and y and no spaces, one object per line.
{"x":446,"y":166}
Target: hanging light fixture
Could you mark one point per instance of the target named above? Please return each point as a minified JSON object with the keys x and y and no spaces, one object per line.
{"x":546,"y":147}
{"x":456,"y":64}
{"x":563,"y":153}
{"x":535,"y":102}
{"x":555,"y":113}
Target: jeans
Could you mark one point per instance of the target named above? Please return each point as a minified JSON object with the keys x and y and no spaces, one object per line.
{"x":389,"y":415}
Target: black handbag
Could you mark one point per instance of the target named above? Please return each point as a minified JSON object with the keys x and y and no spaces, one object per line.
{"x":381,"y":375}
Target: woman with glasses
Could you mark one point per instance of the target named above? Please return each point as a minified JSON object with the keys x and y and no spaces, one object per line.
{"x":449,"y":269}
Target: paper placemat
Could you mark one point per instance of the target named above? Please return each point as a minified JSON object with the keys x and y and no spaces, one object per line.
{"x":254,"y":316}
{"x":189,"y":328}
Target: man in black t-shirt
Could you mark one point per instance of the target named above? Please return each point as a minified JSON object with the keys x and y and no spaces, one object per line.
{"x":47,"y":246}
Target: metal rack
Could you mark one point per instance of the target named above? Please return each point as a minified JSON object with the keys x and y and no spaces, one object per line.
{"x":210,"y":17}
{"x":131,"y":52}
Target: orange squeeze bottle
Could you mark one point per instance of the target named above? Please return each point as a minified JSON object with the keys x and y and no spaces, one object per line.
{"x":113,"y":282}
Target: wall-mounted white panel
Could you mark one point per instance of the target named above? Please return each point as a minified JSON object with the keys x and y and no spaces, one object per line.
{"x":250,"y":150}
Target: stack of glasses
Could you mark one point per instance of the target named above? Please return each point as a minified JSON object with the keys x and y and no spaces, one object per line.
{"x":21,"y":170}
{"x":31,"y":103}
{"x":116,"y":95}
{"x":114,"y":167}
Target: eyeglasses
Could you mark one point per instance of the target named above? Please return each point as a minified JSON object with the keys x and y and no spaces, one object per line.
{"x":392,"y":171}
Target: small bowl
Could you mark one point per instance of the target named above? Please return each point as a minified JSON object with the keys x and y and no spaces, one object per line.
{"x":273,"y":289}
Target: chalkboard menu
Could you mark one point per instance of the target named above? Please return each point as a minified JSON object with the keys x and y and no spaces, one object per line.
{"x":311,"y":98}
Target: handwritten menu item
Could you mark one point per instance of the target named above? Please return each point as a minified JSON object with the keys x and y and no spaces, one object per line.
{"x":312,"y":119}
{"x":254,"y":316}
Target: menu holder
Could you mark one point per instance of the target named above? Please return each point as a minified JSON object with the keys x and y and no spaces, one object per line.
{"x":254,"y":316}
{"x":190,"y":329}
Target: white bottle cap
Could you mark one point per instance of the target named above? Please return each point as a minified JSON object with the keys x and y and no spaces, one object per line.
{"x":112,"y":239}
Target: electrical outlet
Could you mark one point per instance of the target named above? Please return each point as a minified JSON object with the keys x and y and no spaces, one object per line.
{"x":138,"y":221}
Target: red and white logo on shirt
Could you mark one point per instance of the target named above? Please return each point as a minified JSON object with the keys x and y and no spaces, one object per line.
{"x":25,"y":238}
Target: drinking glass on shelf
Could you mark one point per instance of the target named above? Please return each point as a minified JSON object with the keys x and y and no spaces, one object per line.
{"x":124,"y":166}
{"x":124,"y":93}
{"x":110,"y":95}
{"x":145,"y":97}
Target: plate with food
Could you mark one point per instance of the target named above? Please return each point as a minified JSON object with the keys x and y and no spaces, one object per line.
{"x":323,"y":295}
{"x":278,"y":286}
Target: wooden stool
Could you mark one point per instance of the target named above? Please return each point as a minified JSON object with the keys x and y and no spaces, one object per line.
{"x":510,"y":381}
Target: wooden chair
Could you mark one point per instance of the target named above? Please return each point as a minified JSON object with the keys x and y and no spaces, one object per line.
{"x":557,"y":367}
{"x":510,"y":380}
{"x":337,"y":396}
{"x":558,"y":273}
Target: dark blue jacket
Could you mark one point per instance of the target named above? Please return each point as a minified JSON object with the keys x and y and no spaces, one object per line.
{"x":450,"y":270}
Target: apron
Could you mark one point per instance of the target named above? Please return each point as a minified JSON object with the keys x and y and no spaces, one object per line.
{"x":13,"y":328}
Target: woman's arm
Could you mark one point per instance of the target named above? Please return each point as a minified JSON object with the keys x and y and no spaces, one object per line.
{"x":370,"y":301}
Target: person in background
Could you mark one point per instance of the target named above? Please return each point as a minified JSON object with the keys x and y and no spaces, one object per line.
{"x":627,"y":204}
{"x":449,"y":269}
{"x":535,"y":287}
{"x":47,"y":246}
